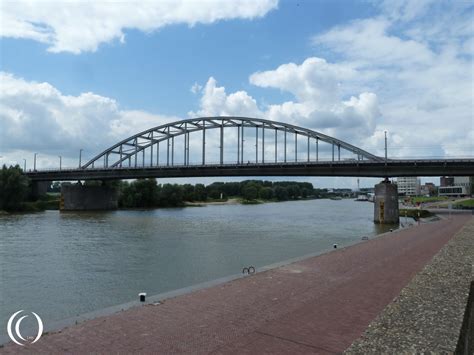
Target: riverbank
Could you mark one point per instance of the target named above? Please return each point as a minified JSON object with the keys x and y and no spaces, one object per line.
{"x":428,"y":314}
{"x":229,"y":201}
{"x":52,"y":205}
{"x":320,"y":304}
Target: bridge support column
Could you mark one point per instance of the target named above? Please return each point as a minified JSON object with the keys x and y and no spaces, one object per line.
{"x":86,"y":198}
{"x":39,"y":188}
{"x":386,"y":203}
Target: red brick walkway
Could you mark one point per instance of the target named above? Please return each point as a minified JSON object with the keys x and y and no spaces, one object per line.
{"x":318,"y":305}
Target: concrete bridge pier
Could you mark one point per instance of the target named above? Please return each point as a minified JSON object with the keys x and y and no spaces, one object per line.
{"x":80,"y":197}
{"x":386,"y":203}
{"x":39,"y":188}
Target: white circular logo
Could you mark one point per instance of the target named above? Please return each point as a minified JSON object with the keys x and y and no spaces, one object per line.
{"x":17,"y":328}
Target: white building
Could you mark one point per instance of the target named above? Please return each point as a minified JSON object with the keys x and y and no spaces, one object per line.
{"x":463,"y":181}
{"x":456,"y":186}
{"x":408,"y":186}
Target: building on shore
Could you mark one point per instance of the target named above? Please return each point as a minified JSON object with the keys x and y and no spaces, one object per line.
{"x":446,"y":181}
{"x":408,"y":186}
{"x":460,"y":185}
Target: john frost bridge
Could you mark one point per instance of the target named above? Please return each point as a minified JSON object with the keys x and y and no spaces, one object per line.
{"x":238,"y":146}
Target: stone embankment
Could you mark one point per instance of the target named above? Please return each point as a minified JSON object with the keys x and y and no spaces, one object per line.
{"x":429,"y":313}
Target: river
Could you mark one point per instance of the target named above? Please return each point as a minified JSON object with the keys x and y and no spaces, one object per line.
{"x":60,"y":265}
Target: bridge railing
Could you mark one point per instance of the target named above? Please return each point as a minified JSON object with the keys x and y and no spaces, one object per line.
{"x":301,"y":162}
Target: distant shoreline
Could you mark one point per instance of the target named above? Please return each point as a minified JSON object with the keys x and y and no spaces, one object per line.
{"x":230,"y":201}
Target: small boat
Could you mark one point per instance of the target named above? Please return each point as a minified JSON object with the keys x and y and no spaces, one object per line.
{"x":362,"y":198}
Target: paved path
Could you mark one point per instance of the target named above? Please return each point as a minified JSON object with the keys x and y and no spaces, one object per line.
{"x":427,"y":317}
{"x":318,"y":305}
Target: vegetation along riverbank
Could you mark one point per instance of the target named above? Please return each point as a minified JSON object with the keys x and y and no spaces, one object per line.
{"x":15,"y":193}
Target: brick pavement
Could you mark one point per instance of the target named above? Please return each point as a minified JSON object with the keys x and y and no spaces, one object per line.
{"x":318,"y":305}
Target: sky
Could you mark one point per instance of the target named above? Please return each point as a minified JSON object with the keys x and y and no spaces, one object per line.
{"x":87,"y":74}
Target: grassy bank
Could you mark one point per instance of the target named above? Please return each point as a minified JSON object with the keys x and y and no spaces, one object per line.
{"x":415,"y":213}
{"x":424,"y":199}
{"x":466,"y":204}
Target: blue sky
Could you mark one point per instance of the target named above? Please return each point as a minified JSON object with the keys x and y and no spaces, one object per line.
{"x":154,"y":71}
{"x":87,"y":74}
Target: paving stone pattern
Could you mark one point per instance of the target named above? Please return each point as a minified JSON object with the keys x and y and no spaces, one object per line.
{"x":428,"y":314}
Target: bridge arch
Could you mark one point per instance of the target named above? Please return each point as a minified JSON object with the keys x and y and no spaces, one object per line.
{"x":121,"y":154}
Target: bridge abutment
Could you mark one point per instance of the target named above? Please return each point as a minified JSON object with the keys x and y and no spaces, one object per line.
{"x":79,"y":197}
{"x":386,"y":203}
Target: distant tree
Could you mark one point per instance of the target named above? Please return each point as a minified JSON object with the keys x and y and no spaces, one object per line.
{"x":231,"y":189}
{"x":213,"y":192}
{"x":250,"y":192}
{"x":266,"y":193}
{"x":280,"y":193}
{"x":142,"y":193}
{"x":13,"y":188}
{"x":146,"y":192}
{"x":171,"y":195}
{"x":304,"y":192}
{"x":188,"y":192}
{"x":294,"y":191}
{"x":200,"y":192}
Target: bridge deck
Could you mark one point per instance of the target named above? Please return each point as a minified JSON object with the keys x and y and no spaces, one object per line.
{"x":318,"y":305}
{"x":363,"y":168}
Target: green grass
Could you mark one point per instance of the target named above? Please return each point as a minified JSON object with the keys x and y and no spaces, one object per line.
{"x":415,"y":213}
{"x":423,"y":199}
{"x":468,"y":204}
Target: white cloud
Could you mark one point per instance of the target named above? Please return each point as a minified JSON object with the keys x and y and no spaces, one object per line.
{"x":368,"y":42}
{"x":405,"y":10}
{"x":215,"y":102}
{"x":37,"y":117}
{"x":316,"y":85}
{"x":397,"y":72}
{"x":196,"y":88}
{"x":417,"y":60}
{"x":314,"y":80}
{"x":77,"y":26}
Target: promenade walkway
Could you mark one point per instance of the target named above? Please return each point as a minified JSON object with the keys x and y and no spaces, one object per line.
{"x":317,"y":305}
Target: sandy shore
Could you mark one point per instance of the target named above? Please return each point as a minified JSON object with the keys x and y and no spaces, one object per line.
{"x":230,"y":201}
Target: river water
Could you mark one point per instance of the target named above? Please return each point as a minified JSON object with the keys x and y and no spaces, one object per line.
{"x":60,"y":265}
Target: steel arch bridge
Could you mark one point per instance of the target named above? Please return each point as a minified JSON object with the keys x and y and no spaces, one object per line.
{"x":143,"y":149}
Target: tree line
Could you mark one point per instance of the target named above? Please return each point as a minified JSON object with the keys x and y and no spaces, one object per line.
{"x":14,"y":187}
{"x":147,"y":193}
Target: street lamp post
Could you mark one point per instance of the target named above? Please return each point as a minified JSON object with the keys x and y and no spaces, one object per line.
{"x":80,"y":157}
{"x":34,"y":163}
{"x":385,"y":146}
{"x":60,"y":162}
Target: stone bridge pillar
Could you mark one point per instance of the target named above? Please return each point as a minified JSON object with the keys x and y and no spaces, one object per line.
{"x":79,"y":197}
{"x":386,"y":203}
{"x":39,"y":188}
